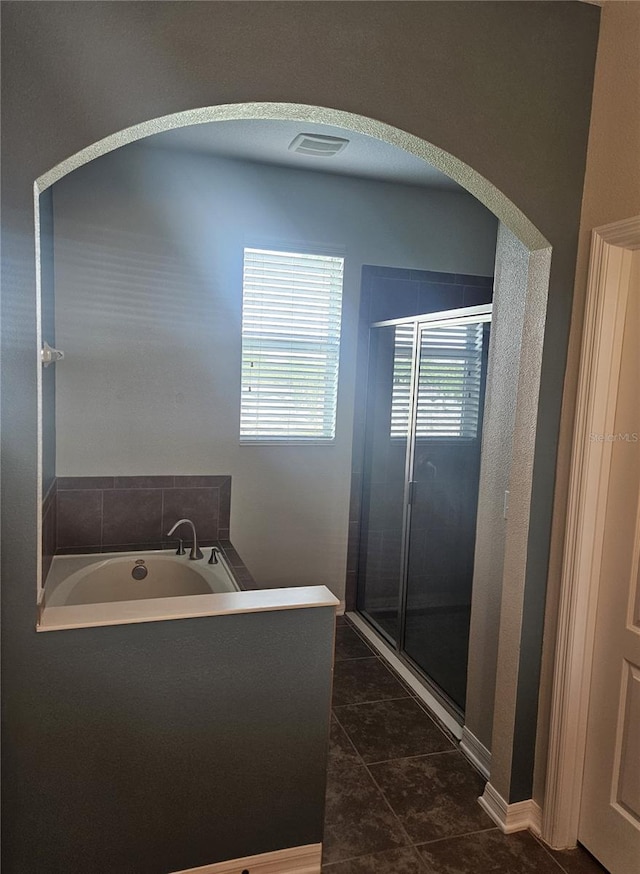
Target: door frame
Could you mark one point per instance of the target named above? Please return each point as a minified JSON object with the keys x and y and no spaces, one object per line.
{"x":442,"y":703}
{"x":608,"y":287}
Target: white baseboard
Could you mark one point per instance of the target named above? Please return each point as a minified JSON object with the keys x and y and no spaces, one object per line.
{"x":536,"y":818}
{"x":293,"y":860}
{"x":476,"y":752}
{"x":511,"y":817}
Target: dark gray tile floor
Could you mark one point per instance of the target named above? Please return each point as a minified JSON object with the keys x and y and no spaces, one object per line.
{"x":401,"y":798}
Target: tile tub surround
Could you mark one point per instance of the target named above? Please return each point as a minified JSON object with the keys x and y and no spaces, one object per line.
{"x":111,"y":514}
{"x":49,"y":529}
{"x":86,"y":514}
{"x":392,"y":293}
{"x":401,"y":799}
{"x":240,"y":571}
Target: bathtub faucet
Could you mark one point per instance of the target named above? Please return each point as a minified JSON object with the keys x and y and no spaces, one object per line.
{"x":196,"y":552}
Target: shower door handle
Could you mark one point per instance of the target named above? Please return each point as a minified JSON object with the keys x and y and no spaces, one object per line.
{"x":410,"y":492}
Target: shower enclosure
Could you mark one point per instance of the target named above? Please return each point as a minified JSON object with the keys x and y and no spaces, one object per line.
{"x":425,"y":399}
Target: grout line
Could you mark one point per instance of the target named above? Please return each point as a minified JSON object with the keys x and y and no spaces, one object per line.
{"x":411,"y":844}
{"x":385,"y":654}
{"x":454,"y":749}
{"x":396,"y":676}
{"x":440,"y":725}
{"x":344,"y":731}
{"x":359,"y":638}
{"x":479,"y":831}
{"x":410,"y":847}
{"x":379,"y":788}
{"x":355,"y":858}
{"x":101,"y":518}
{"x":373,"y":701}
{"x":350,"y":658}
{"x":547,"y":851}
{"x":417,"y":756}
{"x":356,"y":630}
{"x":418,"y":855}
{"x":375,"y":782}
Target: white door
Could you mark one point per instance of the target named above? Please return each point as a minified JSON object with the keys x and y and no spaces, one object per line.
{"x":610,"y":812}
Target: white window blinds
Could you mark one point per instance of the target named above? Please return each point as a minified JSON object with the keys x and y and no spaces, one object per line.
{"x":401,"y":392}
{"x":449,"y":381}
{"x":291,"y":314}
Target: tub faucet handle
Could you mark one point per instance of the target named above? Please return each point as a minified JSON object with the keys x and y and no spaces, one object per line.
{"x":180,"y":550}
{"x":214,"y":556}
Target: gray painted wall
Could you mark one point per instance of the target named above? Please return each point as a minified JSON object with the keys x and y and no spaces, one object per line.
{"x":149,"y":247}
{"x":509,"y":297}
{"x":504,"y":86}
{"x":158,"y":747}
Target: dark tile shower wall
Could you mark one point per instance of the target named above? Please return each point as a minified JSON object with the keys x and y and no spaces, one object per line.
{"x":108,"y":514}
{"x":392,"y":293}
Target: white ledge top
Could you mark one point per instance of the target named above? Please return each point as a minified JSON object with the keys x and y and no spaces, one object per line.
{"x":184,"y":607}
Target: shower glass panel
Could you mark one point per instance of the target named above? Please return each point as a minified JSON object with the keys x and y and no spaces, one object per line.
{"x":385,"y":476}
{"x":421,"y":471}
{"x":445,"y":473}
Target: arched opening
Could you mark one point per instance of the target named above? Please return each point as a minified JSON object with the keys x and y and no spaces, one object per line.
{"x":481,"y":188}
{"x":522,"y":266}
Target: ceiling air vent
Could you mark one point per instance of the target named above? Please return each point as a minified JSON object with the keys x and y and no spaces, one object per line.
{"x":318,"y":146}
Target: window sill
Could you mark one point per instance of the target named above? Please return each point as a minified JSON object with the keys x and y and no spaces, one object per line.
{"x":285,"y":442}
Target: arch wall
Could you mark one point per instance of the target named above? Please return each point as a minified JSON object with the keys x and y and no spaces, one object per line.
{"x":505,"y":89}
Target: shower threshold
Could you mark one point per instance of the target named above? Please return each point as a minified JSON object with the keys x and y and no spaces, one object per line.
{"x":450,"y":721}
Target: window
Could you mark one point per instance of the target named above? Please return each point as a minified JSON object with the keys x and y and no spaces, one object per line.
{"x":291,"y":314}
{"x":449,"y":380}
{"x":401,"y":392}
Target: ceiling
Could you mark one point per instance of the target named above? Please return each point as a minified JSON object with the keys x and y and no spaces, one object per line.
{"x":267,"y":142}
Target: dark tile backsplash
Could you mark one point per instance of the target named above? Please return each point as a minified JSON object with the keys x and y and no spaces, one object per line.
{"x":132,"y":515}
{"x":201,"y":505}
{"x":95,"y":514}
{"x":79,"y":518}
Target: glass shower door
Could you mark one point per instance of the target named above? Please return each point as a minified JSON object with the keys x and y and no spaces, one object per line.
{"x":421,"y":472}
{"x":444,"y":471}
{"x":382,"y":553}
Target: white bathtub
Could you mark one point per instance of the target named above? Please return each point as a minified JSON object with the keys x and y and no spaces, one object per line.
{"x":86,"y":591}
{"x":106,"y":577}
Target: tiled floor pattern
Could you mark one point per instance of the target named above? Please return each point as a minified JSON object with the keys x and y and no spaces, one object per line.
{"x":401,"y":799}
